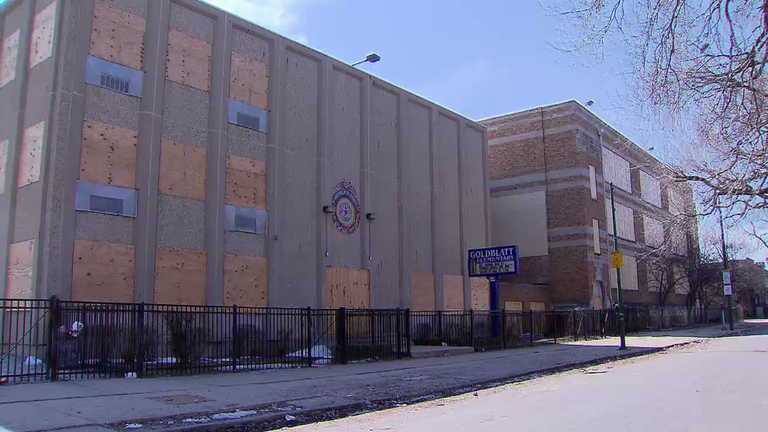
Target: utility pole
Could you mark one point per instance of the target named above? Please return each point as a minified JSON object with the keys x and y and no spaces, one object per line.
{"x":725,"y":266}
{"x":622,"y":328}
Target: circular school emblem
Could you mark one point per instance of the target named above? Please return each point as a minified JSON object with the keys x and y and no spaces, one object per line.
{"x":346,"y":208}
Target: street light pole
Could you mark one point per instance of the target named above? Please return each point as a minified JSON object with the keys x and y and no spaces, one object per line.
{"x":622,"y":327}
{"x":725,"y":266}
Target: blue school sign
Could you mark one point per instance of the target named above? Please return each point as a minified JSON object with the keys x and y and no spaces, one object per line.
{"x":494,"y":261}
{"x":491,"y":263}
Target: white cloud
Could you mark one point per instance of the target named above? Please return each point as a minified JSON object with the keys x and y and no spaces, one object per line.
{"x":281,"y":16}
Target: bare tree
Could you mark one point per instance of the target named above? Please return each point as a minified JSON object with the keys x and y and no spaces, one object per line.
{"x":704,"y":62}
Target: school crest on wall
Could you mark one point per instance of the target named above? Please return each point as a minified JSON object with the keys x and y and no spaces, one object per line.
{"x":346,"y":207}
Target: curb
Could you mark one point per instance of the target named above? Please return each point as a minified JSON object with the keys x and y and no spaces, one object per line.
{"x":302,"y":415}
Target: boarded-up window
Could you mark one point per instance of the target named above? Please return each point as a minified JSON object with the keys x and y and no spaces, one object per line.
{"x":676,"y":203}
{"x":628,"y":274}
{"x":654,"y":231}
{"x":513,"y":306}
{"x":652,"y":278}
{"x":117,"y":36}
{"x":31,"y":153}
{"x":8,"y":58}
{"x":682,"y":285}
{"x":625,"y":220}
{"x":651,"y":189}
{"x":21,"y":268}
{"x":592,"y":182}
{"x":596,"y":235}
{"x":537,"y":305}
{"x":616,"y":170}
{"x":41,"y":43}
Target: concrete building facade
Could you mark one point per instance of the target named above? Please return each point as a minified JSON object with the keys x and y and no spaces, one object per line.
{"x":165,"y":151}
{"x":550,"y":168}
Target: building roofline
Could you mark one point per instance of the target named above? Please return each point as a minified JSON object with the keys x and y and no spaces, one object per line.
{"x":361,"y":71}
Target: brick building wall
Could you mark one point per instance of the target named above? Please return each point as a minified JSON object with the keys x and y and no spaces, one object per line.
{"x":557,"y":153}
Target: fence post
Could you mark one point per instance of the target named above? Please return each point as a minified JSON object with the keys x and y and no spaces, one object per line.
{"x":472,"y":328}
{"x":310,"y":360}
{"x":235,"y":353}
{"x":440,"y":326}
{"x":408,"y":332}
{"x":373,"y":330}
{"x":398,"y":335}
{"x":341,"y":335}
{"x":142,"y":342}
{"x":503,"y":329}
{"x":575,"y":328}
{"x":53,"y":333}
{"x":554,"y":325}
{"x":530,"y":312}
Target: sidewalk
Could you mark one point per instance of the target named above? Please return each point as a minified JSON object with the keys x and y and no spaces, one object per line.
{"x":165,"y":403}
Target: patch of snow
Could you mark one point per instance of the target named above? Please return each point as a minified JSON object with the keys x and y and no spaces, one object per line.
{"x":163,"y":360}
{"x":134,"y":426}
{"x":289,"y":417}
{"x":233,"y":415}
{"x":197,"y":420}
{"x":32,"y":361}
{"x":130,"y":375}
{"x":318,"y":352}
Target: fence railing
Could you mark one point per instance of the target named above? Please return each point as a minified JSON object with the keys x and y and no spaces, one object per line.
{"x":53,"y":339}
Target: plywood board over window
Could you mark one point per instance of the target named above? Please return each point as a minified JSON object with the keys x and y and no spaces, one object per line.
{"x":30,"y":156}
{"x":8,"y":58}
{"x":117,"y":36}
{"x":513,"y":306}
{"x":182,"y":170}
{"x":453,"y":292}
{"x":249,"y":81}
{"x":180,"y":277}
{"x":246,"y":179}
{"x":348,"y":288}
{"x":102,"y":272}
{"x":21,"y":259}
{"x":245,"y":281}
{"x":41,"y":42}
{"x":423,"y":291}
{"x":108,"y":155}
{"x":481,"y":296}
{"x":189,"y":60}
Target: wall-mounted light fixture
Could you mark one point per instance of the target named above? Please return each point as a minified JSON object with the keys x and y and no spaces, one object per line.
{"x":327,"y":209}
{"x":370,"y":216}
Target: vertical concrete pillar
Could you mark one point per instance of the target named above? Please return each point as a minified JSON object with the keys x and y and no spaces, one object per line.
{"x":406,"y":267}
{"x":366,"y":199}
{"x":461,"y":140}
{"x":73,"y":86}
{"x":437,"y":263}
{"x":15,"y":135}
{"x":216,"y":163}
{"x":148,"y":152}
{"x":276,"y":101}
{"x":323,"y":89}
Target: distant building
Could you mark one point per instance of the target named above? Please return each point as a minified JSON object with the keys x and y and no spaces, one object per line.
{"x":550,"y":169}
{"x":750,"y":287}
{"x":165,"y":151}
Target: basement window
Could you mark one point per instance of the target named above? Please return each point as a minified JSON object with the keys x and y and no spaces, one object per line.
{"x":112,"y":200}
{"x":248,"y":116}
{"x":245,"y":219}
{"x":113,"y":76}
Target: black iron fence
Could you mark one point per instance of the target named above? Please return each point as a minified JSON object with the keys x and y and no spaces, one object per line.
{"x":53,"y":339}
{"x":501,"y":330}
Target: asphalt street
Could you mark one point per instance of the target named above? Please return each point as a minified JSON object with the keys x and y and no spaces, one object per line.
{"x":719,"y":385}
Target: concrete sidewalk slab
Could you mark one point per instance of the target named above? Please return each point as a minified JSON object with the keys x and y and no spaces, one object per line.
{"x":113,"y":403}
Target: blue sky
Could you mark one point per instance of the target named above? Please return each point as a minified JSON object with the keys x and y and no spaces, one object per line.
{"x":480,"y":60}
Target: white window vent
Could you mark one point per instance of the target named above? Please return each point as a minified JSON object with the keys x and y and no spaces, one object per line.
{"x":248,"y":116}
{"x":113,"y":76}
{"x":97,"y":198}
{"x":245,"y":219}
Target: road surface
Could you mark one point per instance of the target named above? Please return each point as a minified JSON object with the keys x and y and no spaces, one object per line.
{"x":720,"y":385}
